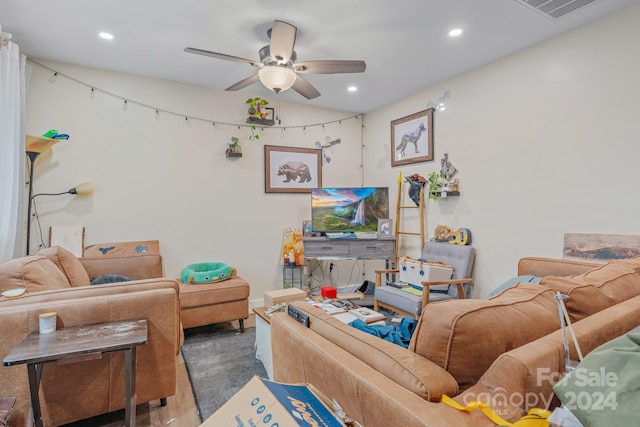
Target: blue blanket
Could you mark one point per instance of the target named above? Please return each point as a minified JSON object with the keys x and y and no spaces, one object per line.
{"x":400,"y":335}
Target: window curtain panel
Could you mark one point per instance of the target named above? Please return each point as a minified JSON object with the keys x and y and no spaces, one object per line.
{"x":12,"y":148}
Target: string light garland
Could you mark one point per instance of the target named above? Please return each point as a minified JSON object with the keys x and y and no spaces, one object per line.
{"x":188,"y":118}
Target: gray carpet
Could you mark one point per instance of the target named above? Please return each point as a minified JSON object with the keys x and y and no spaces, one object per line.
{"x":220,"y":362}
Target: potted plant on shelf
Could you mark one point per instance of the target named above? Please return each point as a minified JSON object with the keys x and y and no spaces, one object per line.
{"x":436,"y":181}
{"x":255,"y":107}
{"x":234,"y":149}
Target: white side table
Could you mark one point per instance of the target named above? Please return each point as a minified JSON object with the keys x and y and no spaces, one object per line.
{"x":263,"y":340}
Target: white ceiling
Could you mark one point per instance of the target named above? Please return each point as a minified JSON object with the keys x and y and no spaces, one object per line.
{"x":404,"y":43}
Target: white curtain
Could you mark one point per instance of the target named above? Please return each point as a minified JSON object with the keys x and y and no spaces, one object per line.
{"x":12,"y":148}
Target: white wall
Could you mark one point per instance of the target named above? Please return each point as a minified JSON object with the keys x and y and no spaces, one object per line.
{"x":546,"y":141}
{"x":168,"y":179}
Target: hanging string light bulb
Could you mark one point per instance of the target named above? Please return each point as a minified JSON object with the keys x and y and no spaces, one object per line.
{"x":188,"y":119}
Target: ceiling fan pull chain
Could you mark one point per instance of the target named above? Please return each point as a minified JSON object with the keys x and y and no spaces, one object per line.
{"x":278,"y":108}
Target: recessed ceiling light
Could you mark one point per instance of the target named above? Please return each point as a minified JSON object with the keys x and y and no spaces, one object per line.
{"x":455,"y":32}
{"x":352,"y":88}
{"x":106,"y":36}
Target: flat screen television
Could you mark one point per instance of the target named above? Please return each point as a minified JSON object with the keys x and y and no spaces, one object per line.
{"x":348,"y":209}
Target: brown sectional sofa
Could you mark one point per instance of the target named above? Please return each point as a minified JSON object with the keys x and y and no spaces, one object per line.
{"x":57,"y":282}
{"x":506,"y":351}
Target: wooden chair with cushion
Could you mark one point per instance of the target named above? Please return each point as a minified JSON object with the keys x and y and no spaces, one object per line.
{"x":460,"y":257}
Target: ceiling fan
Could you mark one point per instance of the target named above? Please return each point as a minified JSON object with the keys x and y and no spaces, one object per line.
{"x":278,"y":69}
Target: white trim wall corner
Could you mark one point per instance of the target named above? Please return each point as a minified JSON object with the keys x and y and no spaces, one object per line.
{"x":12,"y":148}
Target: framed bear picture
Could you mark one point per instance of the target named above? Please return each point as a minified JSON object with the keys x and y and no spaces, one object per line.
{"x":412,"y":138}
{"x":292,"y":169}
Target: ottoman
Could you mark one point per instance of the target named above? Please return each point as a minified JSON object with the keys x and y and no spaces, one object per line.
{"x":207,"y":303}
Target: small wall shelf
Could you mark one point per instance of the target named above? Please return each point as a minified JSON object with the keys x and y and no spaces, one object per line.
{"x":263,"y":122}
{"x":233,"y":154}
{"x":448,"y":193}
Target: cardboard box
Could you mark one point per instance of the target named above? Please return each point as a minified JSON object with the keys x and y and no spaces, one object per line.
{"x":414,"y":272}
{"x":266,"y":403}
{"x":286,"y":296}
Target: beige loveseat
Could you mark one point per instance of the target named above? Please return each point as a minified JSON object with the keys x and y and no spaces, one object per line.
{"x":506,"y":351}
{"x":58,"y":281}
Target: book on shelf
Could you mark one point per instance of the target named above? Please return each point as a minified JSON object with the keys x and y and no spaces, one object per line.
{"x":367,"y":315}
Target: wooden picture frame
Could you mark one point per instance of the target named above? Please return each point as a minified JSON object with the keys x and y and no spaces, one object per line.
{"x":292,"y":169}
{"x":412,"y":138}
{"x":384,"y":228}
{"x":269,"y":113}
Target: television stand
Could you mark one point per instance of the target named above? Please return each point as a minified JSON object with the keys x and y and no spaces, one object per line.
{"x":323,"y":248}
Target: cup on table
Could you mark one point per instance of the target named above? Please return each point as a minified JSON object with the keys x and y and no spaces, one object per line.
{"x":48,"y":322}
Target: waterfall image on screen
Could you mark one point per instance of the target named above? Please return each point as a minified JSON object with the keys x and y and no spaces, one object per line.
{"x":359,"y":217}
{"x":348,"y":209}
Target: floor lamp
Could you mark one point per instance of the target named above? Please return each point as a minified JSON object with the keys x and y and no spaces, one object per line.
{"x":36,"y":145}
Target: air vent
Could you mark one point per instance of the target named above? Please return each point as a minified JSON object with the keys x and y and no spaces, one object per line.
{"x":554,"y":9}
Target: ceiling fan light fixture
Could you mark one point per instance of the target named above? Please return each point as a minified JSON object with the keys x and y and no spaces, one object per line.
{"x":276,"y":78}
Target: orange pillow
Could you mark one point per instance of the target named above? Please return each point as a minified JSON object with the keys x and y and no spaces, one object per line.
{"x":69,"y":264}
{"x":35,"y":273}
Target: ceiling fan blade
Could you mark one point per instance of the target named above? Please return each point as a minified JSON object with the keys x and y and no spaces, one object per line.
{"x":222,"y":56}
{"x":330,"y":67}
{"x":305,"y":88}
{"x":244,"y":83}
{"x":283,"y":38}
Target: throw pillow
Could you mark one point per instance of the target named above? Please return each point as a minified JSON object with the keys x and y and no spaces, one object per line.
{"x":68,"y":263}
{"x":34,"y":273}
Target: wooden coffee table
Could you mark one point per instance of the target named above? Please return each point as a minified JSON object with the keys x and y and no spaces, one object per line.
{"x":79,"y":343}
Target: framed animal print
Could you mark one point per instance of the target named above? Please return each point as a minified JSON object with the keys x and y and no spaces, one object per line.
{"x":412,"y":138}
{"x":291,"y":169}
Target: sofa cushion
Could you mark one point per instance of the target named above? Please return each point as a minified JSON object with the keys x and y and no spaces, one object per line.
{"x":402,"y":366}
{"x":600,"y":288}
{"x":35,"y":273}
{"x":68,"y":263}
{"x":466,"y":336}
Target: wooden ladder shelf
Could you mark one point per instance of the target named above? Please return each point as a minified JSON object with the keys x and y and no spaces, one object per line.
{"x":400,"y":208}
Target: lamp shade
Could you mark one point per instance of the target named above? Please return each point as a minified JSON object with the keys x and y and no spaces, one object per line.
{"x":38,"y":144}
{"x":83,"y":189}
{"x":277,"y":78}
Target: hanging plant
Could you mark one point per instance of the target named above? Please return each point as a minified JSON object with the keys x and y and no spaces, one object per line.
{"x":254,"y":133}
